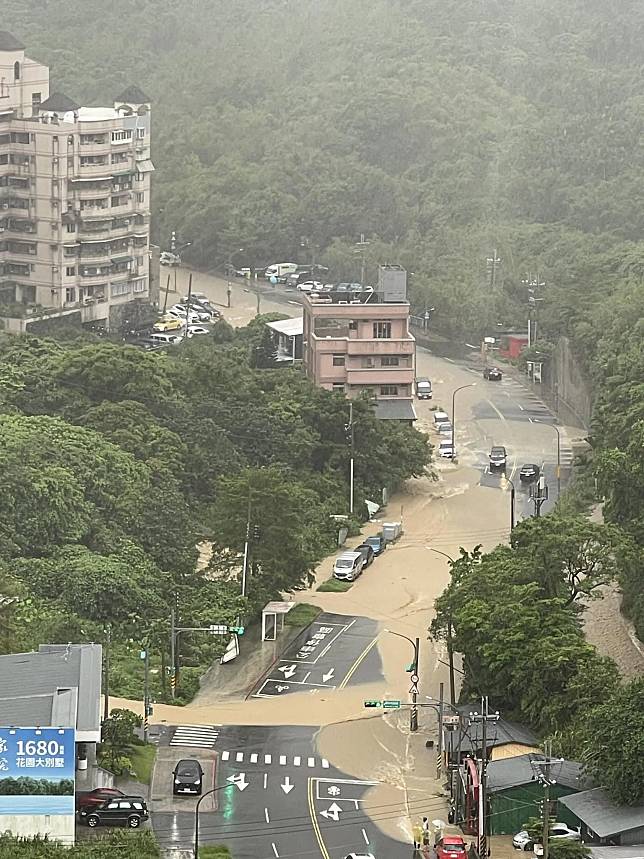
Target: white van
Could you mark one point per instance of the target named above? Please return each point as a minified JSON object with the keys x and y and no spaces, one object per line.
{"x":280,"y":269}
{"x":348,"y":566}
{"x":446,"y":448}
{"x":440,"y":418}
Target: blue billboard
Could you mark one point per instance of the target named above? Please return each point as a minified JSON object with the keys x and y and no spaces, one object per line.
{"x":37,"y":767}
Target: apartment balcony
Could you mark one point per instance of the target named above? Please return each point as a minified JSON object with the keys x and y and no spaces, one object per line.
{"x":94,"y":233}
{"x":380,"y":376}
{"x":388,"y":346}
{"x":86,"y":171}
{"x":81,"y":191}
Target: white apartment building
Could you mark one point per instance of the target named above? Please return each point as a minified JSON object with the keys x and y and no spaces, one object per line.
{"x":74,"y":202}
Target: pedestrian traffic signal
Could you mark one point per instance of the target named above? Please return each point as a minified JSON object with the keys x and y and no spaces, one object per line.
{"x":373,"y":704}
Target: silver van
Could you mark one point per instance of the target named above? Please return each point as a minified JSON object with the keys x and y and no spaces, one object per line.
{"x":348,"y":566}
{"x":441,"y":418}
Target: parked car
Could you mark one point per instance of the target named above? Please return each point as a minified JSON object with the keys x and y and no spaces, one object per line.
{"x":450,"y":847}
{"x":168,"y":258}
{"x":446,"y":448}
{"x":187,"y":777}
{"x":202,"y":300}
{"x":168,"y":323}
{"x":293,"y":280}
{"x":377,"y":543}
{"x":164,"y":338}
{"x":440,"y":418}
{"x":200,"y":313}
{"x":123,"y":810}
{"x":423,"y":388}
{"x":523,"y":841}
{"x":493,"y":374}
{"x":367,"y":553}
{"x":92,"y":798}
{"x":309,"y":286}
{"x":197,"y":329}
{"x":498,"y":457}
{"x":445,"y":428}
{"x":148,"y":344}
{"x":348,"y":566}
{"x":529,"y":472}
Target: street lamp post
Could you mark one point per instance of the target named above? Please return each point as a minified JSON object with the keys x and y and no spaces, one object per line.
{"x":556,"y":429}
{"x":413,"y":716}
{"x":471,"y":385}
{"x":450,"y":647}
{"x":512,"y":499}
{"x":200,"y":800}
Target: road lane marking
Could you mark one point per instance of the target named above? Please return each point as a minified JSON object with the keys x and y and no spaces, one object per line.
{"x":239,"y":757}
{"x":314,"y":822}
{"x":268,"y":820}
{"x":325,"y":764}
{"x":311,"y":762}
{"x":268,"y":759}
{"x":225,"y":756}
{"x":297,"y":761}
{"x":364,"y":835}
{"x":265,"y":780}
{"x":275,"y":850}
{"x":253,"y":758}
{"x":356,"y":664}
{"x":282,"y":760}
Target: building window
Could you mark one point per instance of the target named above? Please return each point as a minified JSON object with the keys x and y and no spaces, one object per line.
{"x":139,"y":261}
{"x":381,"y":330}
{"x":389,"y":361}
{"x":338,"y":360}
{"x":389,"y":390}
{"x":121,"y":136}
{"x":338,"y":386}
{"x":70,"y":271}
{"x":140,"y":133}
{"x":120,"y":288}
{"x":16,"y":71}
{"x":140,"y":197}
{"x":70,"y":294}
{"x":71,"y":228}
{"x":139,"y":285}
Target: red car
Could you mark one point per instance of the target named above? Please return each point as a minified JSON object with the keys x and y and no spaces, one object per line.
{"x":93,"y":798}
{"x":450,"y":847}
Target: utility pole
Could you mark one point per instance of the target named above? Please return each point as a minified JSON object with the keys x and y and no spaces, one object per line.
{"x":246,"y":548}
{"x":543,"y":773}
{"x":351,"y":439}
{"x":439,"y":757}
{"x":145,"y":656}
{"x":450,"y":659}
{"x":106,"y":683}
{"x":413,"y":718}
{"x":493,"y":264}
{"x":361,"y":247}
{"x":167,"y":290}
{"x":483,"y":717}
{"x":188,"y":303}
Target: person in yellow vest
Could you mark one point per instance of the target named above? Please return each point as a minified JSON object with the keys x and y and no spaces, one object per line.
{"x":417,"y":829}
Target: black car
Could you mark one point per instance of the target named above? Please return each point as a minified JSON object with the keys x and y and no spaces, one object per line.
{"x":529,"y":472}
{"x":493,"y":374}
{"x":187,"y":777}
{"x":147,"y":344}
{"x":123,"y":810}
{"x":377,"y":543}
{"x":498,"y":457}
{"x":367,"y":553}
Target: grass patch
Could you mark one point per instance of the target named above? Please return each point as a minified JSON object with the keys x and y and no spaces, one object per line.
{"x":302,"y":615}
{"x":215,"y":851}
{"x":335,"y":585}
{"x":142,"y":758}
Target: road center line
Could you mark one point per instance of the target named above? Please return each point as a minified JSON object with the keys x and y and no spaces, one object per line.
{"x":265,"y":780}
{"x":268,"y":820}
{"x":364,"y":835}
{"x":314,"y":821}
{"x":275,"y":849}
{"x":356,"y":664}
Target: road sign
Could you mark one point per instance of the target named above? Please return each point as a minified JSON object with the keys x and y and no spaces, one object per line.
{"x":369,"y":704}
{"x":218,"y":629}
{"x":414,"y":678}
{"x":391,"y":705}
{"x":413,"y":689}
{"x":238,"y":630}
{"x":451,"y":721}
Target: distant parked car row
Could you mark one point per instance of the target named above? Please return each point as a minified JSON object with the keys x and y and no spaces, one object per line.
{"x":349,"y":565}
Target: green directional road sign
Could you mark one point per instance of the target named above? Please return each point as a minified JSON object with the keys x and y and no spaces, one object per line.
{"x":238,"y":630}
{"x":391,"y":705}
{"x":373,"y":704}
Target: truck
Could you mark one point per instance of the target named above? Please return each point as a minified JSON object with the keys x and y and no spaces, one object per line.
{"x":423,"y":388}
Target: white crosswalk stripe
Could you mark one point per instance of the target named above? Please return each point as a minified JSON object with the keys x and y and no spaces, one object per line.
{"x":199,"y":736}
{"x":268,"y":759}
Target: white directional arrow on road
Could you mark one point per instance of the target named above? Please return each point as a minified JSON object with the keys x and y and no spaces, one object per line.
{"x":328,"y":675}
{"x":287,"y":670}
{"x":332,"y":812}
{"x":239,"y":779}
{"x":287,"y":787}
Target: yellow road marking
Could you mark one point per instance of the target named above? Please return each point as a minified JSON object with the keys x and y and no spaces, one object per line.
{"x":356,"y":664}
{"x":314,"y":821}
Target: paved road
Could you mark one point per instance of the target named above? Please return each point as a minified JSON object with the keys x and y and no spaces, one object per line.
{"x":335,"y":651}
{"x":283,"y":800}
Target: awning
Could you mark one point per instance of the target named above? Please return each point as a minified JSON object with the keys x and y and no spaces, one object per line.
{"x":289,"y":327}
{"x":118,"y":260}
{"x":94,"y":242}
{"x":395,"y":410}
{"x":93,"y":179}
{"x":145,"y":166}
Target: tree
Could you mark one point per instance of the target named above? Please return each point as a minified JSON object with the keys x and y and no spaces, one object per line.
{"x":264,"y":355}
{"x":614,"y":743}
{"x":130,"y":845}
